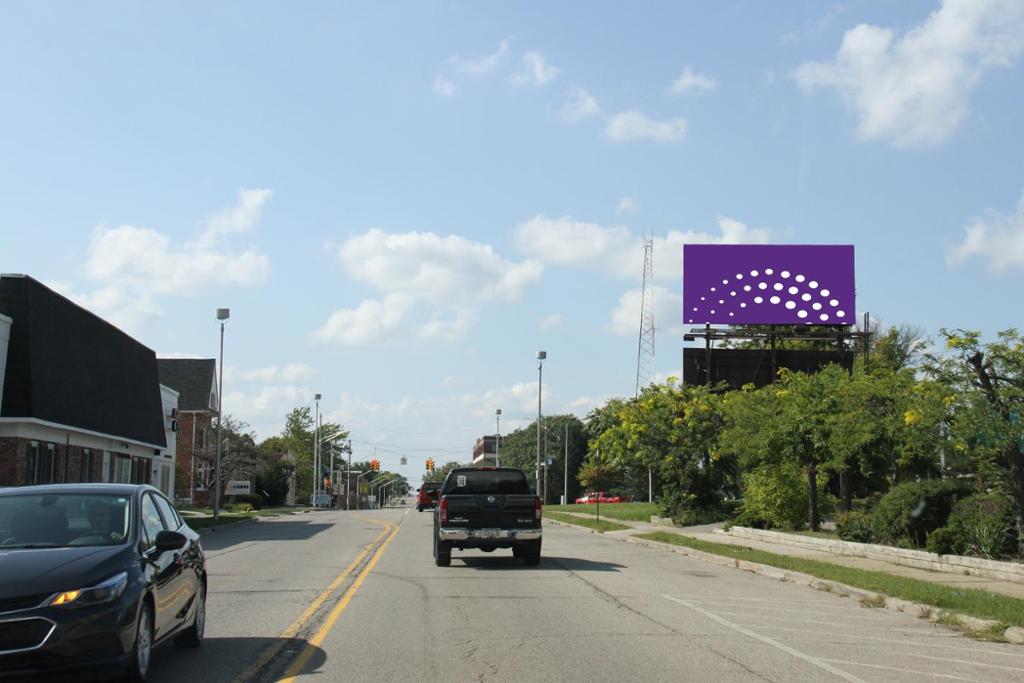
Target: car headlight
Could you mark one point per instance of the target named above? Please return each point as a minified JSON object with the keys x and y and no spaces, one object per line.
{"x":109,"y":590}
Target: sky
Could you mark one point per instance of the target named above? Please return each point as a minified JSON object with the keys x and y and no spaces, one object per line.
{"x":401,"y":203}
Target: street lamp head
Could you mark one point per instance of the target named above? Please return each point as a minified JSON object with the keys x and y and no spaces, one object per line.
{"x":223,"y":314}
{"x":498,"y":411}
{"x":316,"y":397}
{"x":541,"y":355}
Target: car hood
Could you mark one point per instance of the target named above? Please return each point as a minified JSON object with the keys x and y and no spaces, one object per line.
{"x":33,"y":571}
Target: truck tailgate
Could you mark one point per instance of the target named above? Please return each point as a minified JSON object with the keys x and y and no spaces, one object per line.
{"x":491,"y":511}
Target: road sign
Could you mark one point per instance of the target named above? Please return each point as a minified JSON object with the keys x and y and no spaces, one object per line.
{"x":238,"y":488}
{"x":405,"y":460}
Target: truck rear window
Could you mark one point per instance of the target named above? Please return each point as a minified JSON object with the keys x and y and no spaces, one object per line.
{"x":474,"y":482}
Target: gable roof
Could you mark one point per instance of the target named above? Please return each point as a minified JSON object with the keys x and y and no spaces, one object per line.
{"x":68,"y":366}
{"x":193,"y":379}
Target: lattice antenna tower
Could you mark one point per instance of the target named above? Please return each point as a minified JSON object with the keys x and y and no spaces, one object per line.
{"x":645,"y":341}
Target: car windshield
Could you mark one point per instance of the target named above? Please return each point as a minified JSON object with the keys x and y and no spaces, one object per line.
{"x":486,"y":481}
{"x":55,"y":520}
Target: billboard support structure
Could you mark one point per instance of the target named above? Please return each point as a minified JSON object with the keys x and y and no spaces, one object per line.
{"x":841,"y":334}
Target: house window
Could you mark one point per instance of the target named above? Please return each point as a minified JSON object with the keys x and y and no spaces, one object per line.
{"x":85,"y":465}
{"x":121,"y":469}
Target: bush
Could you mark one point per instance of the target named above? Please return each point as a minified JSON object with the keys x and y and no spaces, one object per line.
{"x":855,"y":526}
{"x":909,"y":512}
{"x":255,"y":502}
{"x":775,"y":496}
{"x":984,"y":526}
{"x":685,"y":510}
{"x":944,"y":541}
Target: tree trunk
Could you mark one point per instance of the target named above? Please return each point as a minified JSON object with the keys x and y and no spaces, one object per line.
{"x":845,"y":490}
{"x":812,"y":495}
{"x":1017,"y":483}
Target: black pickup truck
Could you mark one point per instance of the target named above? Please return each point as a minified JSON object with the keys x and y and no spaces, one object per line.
{"x":487,"y":508}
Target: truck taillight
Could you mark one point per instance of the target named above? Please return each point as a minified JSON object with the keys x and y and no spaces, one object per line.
{"x":442,"y":510}
{"x":536,"y":509}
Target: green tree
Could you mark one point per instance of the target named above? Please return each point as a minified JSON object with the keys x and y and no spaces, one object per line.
{"x":988,"y":380}
{"x":597,"y":474}
{"x":298,"y":437}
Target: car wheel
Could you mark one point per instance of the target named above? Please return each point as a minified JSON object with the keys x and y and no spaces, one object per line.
{"x":193,"y":635}
{"x":442,"y":553}
{"x":419,"y":508}
{"x":138,"y":667}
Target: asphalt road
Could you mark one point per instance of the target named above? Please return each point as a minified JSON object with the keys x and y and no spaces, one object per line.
{"x":595,"y":609}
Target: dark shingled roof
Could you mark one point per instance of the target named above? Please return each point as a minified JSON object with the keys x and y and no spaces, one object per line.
{"x":69,"y":366}
{"x":192,"y":378}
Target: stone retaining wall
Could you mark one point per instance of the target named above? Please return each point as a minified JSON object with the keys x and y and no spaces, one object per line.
{"x":954,"y":564}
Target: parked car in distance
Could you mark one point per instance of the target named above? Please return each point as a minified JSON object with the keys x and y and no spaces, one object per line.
{"x":427,"y":495}
{"x":93,"y":577}
{"x":601,"y":497}
{"x":487,"y":508}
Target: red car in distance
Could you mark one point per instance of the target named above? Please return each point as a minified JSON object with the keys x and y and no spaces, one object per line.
{"x":601,"y":497}
{"x":428,"y":495}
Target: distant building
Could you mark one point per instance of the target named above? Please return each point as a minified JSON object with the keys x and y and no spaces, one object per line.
{"x":486,"y":450}
{"x":195,"y":380}
{"x":80,"y":400}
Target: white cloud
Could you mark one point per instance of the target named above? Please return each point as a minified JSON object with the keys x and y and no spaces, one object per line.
{"x":264,"y":408}
{"x":579,"y":105}
{"x":627,"y":204}
{"x":535,"y":71}
{"x":633,"y":126}
{"x":443,"y":87}
{"x":179,"y":355}
{"x":293,"y":372}
{"x":616,"y":250}
{"x":690,"y":81}
{"x":997,"y":237}
{"x":550,"y":322}
{"x":447,"y":279}
{"x":662,"y":377}
{"x":915,"y":90}
{"x":567,"y":242}
{"x":456,"y":382}
{"x":668,"y":312}
{"x":370,"y":321}
{"x":481,"y":66}
{"x":132,"y":266}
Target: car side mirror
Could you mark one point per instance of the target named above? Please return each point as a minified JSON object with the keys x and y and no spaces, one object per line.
{"x":170,"y":540}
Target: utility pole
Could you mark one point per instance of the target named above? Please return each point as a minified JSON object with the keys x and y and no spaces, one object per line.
{"x":497,"y":438}
{"x":565,"y":492}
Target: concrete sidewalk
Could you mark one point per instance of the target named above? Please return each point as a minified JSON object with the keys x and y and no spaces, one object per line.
{"x":706,"y":532}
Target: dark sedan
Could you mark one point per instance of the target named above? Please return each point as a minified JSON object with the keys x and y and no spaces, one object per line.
{"x":93,"y":576}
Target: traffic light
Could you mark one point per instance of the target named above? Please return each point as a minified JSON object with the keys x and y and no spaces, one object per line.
{"x":430,"y":465}
{"x":375,"y":465}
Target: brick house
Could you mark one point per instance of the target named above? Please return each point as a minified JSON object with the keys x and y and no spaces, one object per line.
{"x":80,"y":400}
{"x":195,"y":380}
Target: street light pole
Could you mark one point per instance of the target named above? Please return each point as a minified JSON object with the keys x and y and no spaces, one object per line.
{"x":348,"y":475}
{"x":497,"y":438}
{"x":316,"y":446}
{"x":222,"y":315}
{"x":541,"y":355}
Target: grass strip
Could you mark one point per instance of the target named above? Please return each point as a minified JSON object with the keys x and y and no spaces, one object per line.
{"x":598,"y":525}
{"x":636,"y":512}
{"x":971,"y":601}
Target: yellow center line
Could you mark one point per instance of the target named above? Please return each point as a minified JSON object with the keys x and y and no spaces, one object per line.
{"x":290,"y":632}
{"x":314,"y":643}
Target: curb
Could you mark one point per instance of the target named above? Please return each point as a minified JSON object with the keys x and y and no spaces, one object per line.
{"x":211,"y":529}
{"x":548,"y":520}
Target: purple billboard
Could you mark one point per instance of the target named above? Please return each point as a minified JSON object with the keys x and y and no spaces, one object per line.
{"x":768,"y":284}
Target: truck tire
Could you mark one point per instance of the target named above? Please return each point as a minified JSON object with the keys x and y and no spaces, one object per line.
{"x":529,"y":551}
{"x":442,"y":553}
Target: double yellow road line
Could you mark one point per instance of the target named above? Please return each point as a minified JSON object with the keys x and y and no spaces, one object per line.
{"x":390,"y":530}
